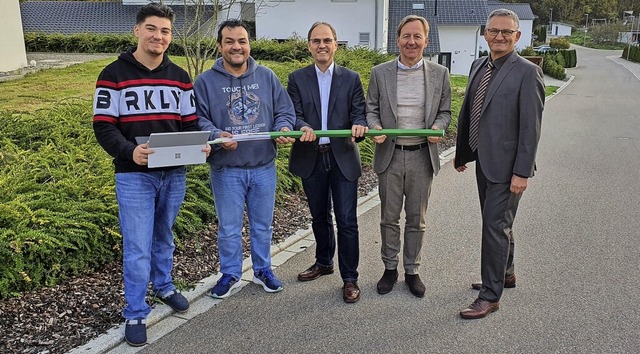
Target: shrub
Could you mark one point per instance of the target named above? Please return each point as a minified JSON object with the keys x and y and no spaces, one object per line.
{"x":559,"y":43}
{"x":552,"y":68}
{"x":528,"y":52}
{"x":633,"y":54}
{"x":570,"y":58}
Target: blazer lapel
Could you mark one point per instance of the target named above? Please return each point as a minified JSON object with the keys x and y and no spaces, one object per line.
{"x":500,"y":76}
{"x":336,"y":83}
{"x":430,"y":79}
{"x":391,"y":81}
{"x":314,"y":90}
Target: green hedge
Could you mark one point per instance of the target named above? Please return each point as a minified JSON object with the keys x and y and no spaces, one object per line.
{"x":570,"y":58}
{"x":634,"y":53}
{"x":551,"y":67}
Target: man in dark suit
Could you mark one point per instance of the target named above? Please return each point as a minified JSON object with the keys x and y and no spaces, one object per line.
{"x":405,"y":93}
{"x":499,"y":128}
{"x":328,"y":96}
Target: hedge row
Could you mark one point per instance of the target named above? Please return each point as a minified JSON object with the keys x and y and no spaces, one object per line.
{"x":570,"y":57}
{"x":634,"y":53}
{"x":553,"y":65}
{"x":262,"y":49}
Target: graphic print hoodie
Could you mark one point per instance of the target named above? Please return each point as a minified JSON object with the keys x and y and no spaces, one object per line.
{"x":131,"y":101}
{"x":254,"y":102}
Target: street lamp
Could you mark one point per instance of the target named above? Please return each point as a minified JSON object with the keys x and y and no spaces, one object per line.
{"x":586,"y":24}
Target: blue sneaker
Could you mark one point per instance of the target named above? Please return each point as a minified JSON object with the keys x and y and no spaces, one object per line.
{"x":135,"y":332}
{"x":176,"y":301}
{"x":268,"y":280}
{"x":224,"y":286}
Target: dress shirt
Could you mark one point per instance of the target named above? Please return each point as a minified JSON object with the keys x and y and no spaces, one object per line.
{"x":324,"y":84}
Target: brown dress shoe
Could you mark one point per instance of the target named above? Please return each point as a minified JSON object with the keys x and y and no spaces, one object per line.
{"x":315,"y":272}
{"x":509,"y":282}
{"x":350,"y":292}
{"x":479,"y":309}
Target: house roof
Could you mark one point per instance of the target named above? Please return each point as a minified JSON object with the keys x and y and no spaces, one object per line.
{"x":523,"y":10}
{"x":447,"y":12}
{"x":462,"y":12}
{"x":68,"y":17}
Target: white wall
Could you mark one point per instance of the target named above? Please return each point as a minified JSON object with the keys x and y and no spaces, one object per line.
{"x":559,"y":29}
{"x":14,"y":55}
{"x":526,"y":28}
{"x":461,"y":42}
{"x":283,"y":19}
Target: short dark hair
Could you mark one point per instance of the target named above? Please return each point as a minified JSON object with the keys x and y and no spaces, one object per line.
{"x":154,"y":9}
{"x":231,"y":24}
{"x":316,"y":24}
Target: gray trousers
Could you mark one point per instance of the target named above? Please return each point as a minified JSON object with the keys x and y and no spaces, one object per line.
{"x":407,"y":179}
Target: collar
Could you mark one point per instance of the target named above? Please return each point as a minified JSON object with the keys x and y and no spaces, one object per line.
{"x":329,"y":70}
{"x":415,"y":66}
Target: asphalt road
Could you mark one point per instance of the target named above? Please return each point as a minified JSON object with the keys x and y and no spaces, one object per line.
{"x":576,"y":256}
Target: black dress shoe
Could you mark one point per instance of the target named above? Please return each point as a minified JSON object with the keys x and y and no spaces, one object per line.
{"x":479,"y":309}
{"x":416,"y":286}
{"x":315,"y":272}
{"x":389,"y":278}
{"x":509,"y":282}
{"x":350,"y":292}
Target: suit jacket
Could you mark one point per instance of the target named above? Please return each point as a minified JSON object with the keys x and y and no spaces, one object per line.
{"x":510,"y":120}
{"x":382,"y":104}
{"x":346,"y":108}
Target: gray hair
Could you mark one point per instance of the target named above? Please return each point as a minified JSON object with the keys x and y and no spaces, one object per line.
{"x":505,"y":13}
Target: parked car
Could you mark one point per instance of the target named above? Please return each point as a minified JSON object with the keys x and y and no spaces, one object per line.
{"x":542,"y":48}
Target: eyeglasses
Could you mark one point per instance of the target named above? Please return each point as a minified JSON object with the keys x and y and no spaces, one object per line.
{"x":317,"y":41}
{"x":505,"y":32}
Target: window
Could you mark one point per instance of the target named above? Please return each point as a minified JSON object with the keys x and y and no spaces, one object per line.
{"x":417,"y":6}
{"x":364,"y":38}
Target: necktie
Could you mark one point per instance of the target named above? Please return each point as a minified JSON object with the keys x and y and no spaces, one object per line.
{"x":476,"y":107}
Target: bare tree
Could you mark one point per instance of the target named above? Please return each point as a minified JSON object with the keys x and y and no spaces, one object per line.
{"x":198,"y":29}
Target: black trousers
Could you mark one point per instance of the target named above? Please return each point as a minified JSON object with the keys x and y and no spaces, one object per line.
{"x":498,"y":206}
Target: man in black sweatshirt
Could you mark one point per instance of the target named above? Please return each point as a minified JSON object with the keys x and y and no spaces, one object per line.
{"x":143,"y":92}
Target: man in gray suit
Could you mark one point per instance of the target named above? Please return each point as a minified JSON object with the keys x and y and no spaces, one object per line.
{"x":407,"y":93}
{"x":499,"y":128}
{"x":328,"y":96}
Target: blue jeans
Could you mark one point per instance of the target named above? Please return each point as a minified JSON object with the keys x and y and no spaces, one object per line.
{"x":232,"y":188}
{"x":149,"y":203}
{"x":325,"y":184}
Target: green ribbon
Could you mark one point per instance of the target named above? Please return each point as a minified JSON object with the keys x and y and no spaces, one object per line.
{"x":344,"y":133}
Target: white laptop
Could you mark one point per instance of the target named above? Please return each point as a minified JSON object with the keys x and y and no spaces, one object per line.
{"x":176,"y":149}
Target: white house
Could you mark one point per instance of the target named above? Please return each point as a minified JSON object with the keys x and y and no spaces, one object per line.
{"x":357,"y":22}
{"x":526,"y":16}
{"x":14,"y":55}
{"x":454,"y":29}
{"x":559,"y":29}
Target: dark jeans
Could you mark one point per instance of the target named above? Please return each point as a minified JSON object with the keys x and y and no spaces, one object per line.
{"x":326,"y":183}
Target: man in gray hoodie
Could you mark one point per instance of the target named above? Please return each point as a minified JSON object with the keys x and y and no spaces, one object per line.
{"x":239,"y":96}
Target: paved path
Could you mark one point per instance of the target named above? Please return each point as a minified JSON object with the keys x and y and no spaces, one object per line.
{"x":576,"y":257}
